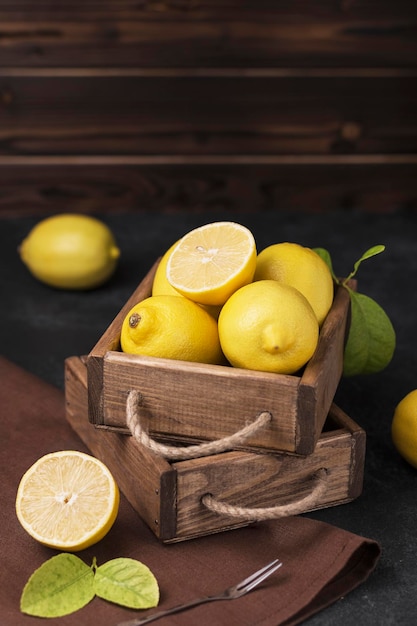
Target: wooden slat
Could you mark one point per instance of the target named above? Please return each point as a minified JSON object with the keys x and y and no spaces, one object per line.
{"x":209,"y":34}
{"x":47,"y":185}
{"x":208,"y":115}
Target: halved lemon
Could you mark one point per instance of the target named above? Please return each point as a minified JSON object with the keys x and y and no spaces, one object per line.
{"x":211,"y":262}
{"x":67,"y":500}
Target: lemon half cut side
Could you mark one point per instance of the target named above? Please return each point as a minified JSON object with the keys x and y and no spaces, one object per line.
{"x":211,"y":262}
{"x":67,"y":500}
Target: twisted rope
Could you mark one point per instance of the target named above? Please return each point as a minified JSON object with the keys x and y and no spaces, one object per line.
{"x":192,"y":451}
{"x":275,"y":512}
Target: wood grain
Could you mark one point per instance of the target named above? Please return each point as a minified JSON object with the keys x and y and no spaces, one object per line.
{"x":168,"y":495}
{"x":186,"y":33}
{"x":185,"y":105}
{"x":208,"y":115}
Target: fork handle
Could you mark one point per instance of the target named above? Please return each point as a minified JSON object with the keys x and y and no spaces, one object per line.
{"x":174,"y":609}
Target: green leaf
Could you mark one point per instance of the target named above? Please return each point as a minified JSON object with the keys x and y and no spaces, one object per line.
{"x":371,"y":340}
{"x":325,"y":255}
{"x":366,"y":255}
{"x":127,"y":582}
{"x":60,"y":586}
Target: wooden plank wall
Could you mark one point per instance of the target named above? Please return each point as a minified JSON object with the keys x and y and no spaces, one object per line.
{"x":189,"y":104}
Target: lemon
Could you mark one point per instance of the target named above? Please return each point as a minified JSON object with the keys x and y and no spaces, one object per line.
{"x":268,"y":326}
{"x":70,"y":251}
{"x":162,"y":287}
{"x":67,"y":500}
{"x":404,"y":428}
{"x":211,"y":262}
{"x":171,"y":327}
{"x":302,"y":268}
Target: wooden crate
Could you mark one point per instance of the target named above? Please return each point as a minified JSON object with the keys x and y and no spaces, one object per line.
{"x":192,"y":402}
{"x":170,"y":496}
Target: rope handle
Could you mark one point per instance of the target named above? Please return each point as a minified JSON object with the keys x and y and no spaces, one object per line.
{"x":192,"y":451}
{"x":309,"y":501}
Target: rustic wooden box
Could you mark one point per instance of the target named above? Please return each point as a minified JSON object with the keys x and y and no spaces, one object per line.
{"x":192,"y":402}
{"x":169,"y":496}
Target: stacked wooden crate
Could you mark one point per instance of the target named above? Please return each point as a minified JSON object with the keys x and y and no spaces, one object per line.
{"x":191,"y":105}
{"x":199,"y":448}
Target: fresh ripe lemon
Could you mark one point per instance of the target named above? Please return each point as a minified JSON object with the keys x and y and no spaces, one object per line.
{"x":171,"y":327}
{"x":67,"y":500}
{"x":404,"y":428}
{"x":162,"y":287}
{"x":70,"y":251}
{"x":268,"y":326}
{"x":211,"y":262}
{"x":302,"y":268}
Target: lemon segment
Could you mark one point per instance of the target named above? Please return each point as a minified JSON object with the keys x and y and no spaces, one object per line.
{"x":171,"y":327}
{"x":302,"y":268}
{"x":404,"y":428}
{"x":70,"y":251}
{"x":268,"y":326}
{"x":211,"y":262}
{"x":67,"y":500}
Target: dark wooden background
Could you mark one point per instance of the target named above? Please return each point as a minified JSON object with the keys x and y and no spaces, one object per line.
{"x":123,"y":105}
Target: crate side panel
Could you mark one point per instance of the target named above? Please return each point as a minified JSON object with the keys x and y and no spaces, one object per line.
{"x":322,"y":375}
{"x":192,"y":401}
{"x":252,"y":480}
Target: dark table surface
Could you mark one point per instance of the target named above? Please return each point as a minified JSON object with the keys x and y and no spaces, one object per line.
{"x":40,"y":327}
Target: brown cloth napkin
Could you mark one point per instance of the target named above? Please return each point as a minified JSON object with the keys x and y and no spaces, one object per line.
{"x":321,"y":563}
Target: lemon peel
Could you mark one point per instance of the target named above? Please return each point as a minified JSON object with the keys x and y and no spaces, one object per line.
{"x":70,"y":251}
{"x":171,"y":327}
{"x":268,"y":326}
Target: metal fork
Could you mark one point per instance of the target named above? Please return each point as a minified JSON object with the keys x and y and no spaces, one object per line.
{"x":231,"y":593}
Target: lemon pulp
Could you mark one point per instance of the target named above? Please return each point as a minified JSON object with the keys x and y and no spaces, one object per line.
{"x":67,"y":500}
{"x":211,"y":262}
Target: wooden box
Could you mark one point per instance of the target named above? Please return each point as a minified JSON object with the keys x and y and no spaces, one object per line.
{"x":176,"y":499}
{"x":192,"y":402}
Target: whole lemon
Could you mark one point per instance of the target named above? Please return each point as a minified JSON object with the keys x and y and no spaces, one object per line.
{"x":171,"y":327}
{"x":302,"y":268}
{"x":162,"y":287}
{"x":70,"y":251}
{"x":404,"y":428}
{"x":268,"y":326}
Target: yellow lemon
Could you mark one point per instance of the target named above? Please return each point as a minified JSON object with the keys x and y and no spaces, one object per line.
{"x":70,"y":251}
{"x":171,"y":327}
{"x":162,"y":287}
{"x":67,"y":500}
{"x":211,"y":262}
{"x":404,"y":428}
{"x":302,"y":268}
{"x":268,"y":326}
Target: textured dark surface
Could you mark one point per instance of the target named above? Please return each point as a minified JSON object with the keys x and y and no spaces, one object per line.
{"x":40,"y":327}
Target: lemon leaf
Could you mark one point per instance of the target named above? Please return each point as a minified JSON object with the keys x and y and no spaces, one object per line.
{"x":366,"y":255}
{"x":60,"y":586}
{"x":325,"y":255}
{"x":371,"y":339}
{"x":127,"y":582}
